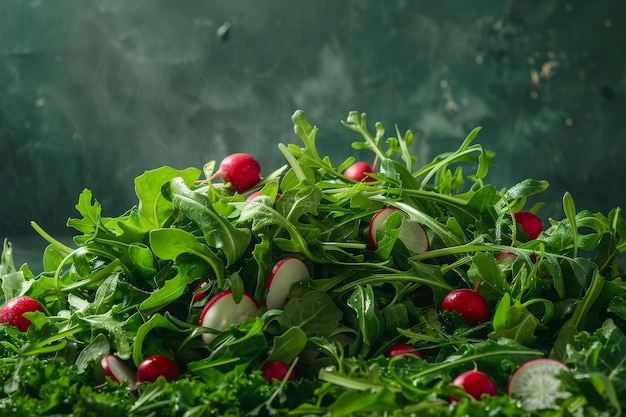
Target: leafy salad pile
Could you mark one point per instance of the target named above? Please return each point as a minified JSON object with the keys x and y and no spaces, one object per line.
{"x":137,"y":286}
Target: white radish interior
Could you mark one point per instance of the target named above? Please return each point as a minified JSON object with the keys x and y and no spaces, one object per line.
{"x":412,"y":234}
{"x":285,"y":273}
{"x":222,"y":311}
{"x":118,"y":370}
{"x":536,"y":385}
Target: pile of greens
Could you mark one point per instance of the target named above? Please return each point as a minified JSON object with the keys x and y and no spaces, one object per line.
{"x":127,"y":288}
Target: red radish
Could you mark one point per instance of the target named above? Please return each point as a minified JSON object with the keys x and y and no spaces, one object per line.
{"x":12,"y":311}
{"x":476,"y":384}
{"x":469,"y":304}
{"x":536,"y":385}
{"x":199,"y":291}
{"x":276,"y":370}
{"x":358,"y":172}
{"x":221,"y":311}
{"x":241,"y":170}
{"x":412,"y":234}
{"x":402,"y":349}
{"x":283,"y":275}
{"x":155,"y":366}
{"x":255,"y":194}
{"x":531,"y":223}
{"x":117,"y":370}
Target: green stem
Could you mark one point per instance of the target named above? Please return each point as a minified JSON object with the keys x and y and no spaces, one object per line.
{"x":58,"y":245}
{"x":99,"y":276}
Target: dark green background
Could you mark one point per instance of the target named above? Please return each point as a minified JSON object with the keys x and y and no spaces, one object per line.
{"x":92,"y":93}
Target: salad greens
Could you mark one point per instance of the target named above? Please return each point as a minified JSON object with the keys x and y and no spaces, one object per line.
{"x":127,"y":288}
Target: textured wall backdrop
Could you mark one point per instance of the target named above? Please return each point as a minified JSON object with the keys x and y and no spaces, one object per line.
{"x":94,"y":93}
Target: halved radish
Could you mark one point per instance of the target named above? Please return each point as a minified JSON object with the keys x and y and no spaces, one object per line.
{"x":117,"y":369}
{"x":283,"y":275}
{"x":535,"y":384}
{"x":412,"y":234}
{"x":221,"y":311}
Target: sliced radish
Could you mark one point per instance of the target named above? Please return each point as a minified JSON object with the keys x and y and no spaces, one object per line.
{"x":117,"y":370}
{"x":412,"y":234}
{"x":283,"y":275}
{"x":535,"y":384}
{"x":221,"y":311}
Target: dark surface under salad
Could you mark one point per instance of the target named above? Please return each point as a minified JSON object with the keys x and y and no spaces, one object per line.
{"x":193,"y":251}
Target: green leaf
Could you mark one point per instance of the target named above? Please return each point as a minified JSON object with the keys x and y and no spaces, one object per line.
{"x":218,"y":231}
{"x":288,"y":345}
{"x":314,"y":312}
{"x":188,"y":271}
{"x":170,"y":243}
{"x":514,"y":322}
{"x":154,"y":208}
{"x":371,"y":323}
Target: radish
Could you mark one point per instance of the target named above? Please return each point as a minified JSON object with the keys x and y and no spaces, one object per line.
{"x":402,"y":349}
{"x":241,"y":170}
{"x":221,"y":311}
{"x":469,"y":304}
{"x":536,"y":385}
{"x":155,"y":366}
{"x":476,"y":384}
{"x":531,"y":223}
{"x":412,"y":234}
{"x":283,"y":275}
{"x":255,"y":194}
{"x":199,"y":291}
{"x":12,"y":311}
{"x":117,"y":370}
{"x":276,"y":370}
{"x":358,"y":172}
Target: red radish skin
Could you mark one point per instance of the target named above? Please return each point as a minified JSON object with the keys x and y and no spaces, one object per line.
{"x":402,"y":349}
{"x":198,"y":292}
{"x":476,"y":384}
{"x":412,"y":234}
{"x":155,"y":366}
{"x":535,"y":385}
{"x":469,"y":304}
{"x":531,"y":223}
{"x":255,"y":194}
{"x":283,"y":275}
{"x":358,"y":172}
{"x":221,"y":311}
{"x":117,"y":370}
{"x":12,"y":311}
{"x":241,"y":170}
{"x":277,"y":370}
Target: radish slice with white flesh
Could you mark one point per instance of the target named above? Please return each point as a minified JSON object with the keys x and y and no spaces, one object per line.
{"x":283,"y":275}
{"x":221,"y":311}
{"x":412,"y":234}
{"x":117,"y":370}
{"x":535,"y":385}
